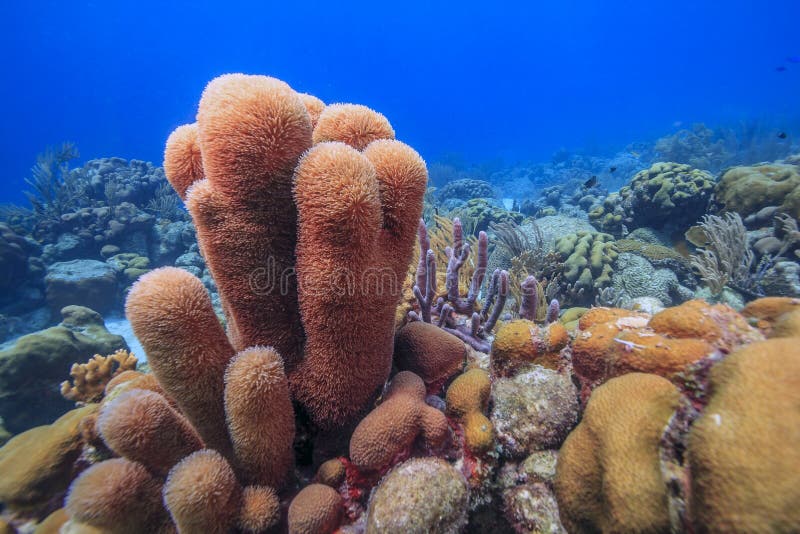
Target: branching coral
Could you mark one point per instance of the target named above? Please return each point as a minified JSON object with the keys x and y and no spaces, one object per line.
{"x":90,"y":379}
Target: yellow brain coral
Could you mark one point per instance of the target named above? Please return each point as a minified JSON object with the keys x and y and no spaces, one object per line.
{"x":743,"y":453}
{"x":608,"y":476}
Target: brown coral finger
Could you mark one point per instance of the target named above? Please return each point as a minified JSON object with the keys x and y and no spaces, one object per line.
{"x":353,"y":124}
{"x":260,"y":416}
{"x":183,"y":164}
{"x":172,"y":316}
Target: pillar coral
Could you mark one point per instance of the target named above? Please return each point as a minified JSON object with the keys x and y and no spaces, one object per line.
{"x":358,"y":194}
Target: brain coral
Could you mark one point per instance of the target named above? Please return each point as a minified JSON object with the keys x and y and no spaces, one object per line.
{"x":392,"y":427}
{"x":608,"y":476}
{"x":317,"y":509}
{"x":420,"y":496}
{"x":428,"y":351}
{"x":743,"y":454}
{"x":746,"y":190}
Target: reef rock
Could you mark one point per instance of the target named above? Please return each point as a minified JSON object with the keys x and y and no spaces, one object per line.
{"x":82,"y":283}
{"x":533,"y":411}
{"x":420,"y":496}
{"x":31,"y":370}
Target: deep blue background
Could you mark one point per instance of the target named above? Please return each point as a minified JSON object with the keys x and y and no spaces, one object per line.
{"x":488,"y":79}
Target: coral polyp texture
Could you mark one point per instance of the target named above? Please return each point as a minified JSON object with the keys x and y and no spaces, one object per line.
{"x":391,"y":429}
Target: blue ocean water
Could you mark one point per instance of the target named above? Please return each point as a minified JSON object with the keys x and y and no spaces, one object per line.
{"x":511,"y":80}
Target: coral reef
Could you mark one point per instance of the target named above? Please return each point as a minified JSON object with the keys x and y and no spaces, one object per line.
{"x":465,"y":189}
{"x":477,"y":214}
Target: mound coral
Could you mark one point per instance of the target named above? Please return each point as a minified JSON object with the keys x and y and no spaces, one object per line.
{"x":317,"y":509}
{"x":746,"y":190}
{"x":467,"y":399}
{"x":89,"y":379}
{"x":391,"y":428}
{"x":38,"y":463}
{"x":429,"y":352}
{"x":740,"y":454}
{"x":608,"y":476}
{"x":671,"y":193}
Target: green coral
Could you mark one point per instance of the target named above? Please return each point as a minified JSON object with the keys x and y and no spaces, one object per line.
{"x":478,"y":213}
{"x":588,"y":259}
{"x":665,"y":194}
{"x":130,"y":264}
{"x":746,"y":190}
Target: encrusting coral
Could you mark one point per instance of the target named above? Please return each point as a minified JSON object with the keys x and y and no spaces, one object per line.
{"x":89,"y":379}
{"x":391,"y":428}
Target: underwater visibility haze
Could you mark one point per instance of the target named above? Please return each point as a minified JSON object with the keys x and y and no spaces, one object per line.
{"x":427,"y":267}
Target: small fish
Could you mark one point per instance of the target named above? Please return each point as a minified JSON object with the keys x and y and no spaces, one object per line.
{"x":780,"y":69}
{"x":793,"y":59}
{"x":634,"y":154}
{"x":591,"y":182}
{"x":612,"y":169}
{"x":782,"y":135}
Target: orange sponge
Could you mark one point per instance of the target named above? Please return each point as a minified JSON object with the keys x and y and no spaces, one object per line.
{"x":392,"y":427}
{"x":317,"y":509}
{"x":521,"y":342}
{"x":260,"y":416}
